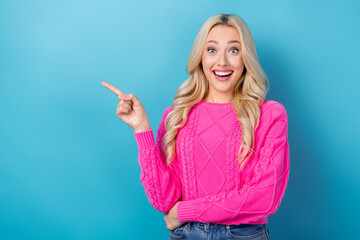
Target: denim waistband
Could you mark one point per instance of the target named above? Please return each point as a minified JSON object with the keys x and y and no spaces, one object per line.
{"x":212,"y":225}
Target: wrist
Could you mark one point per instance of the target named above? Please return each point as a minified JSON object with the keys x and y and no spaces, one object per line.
{"x":143,"y":128}
{"x":173,"y":212}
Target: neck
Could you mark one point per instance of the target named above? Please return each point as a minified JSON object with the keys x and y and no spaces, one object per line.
{"x":218,"y":99}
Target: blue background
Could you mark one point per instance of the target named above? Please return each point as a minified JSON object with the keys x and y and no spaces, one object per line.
{"x":68,"y":164}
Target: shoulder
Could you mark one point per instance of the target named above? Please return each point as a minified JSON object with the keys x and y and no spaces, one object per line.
{"x":272,"y":110}
{"x":161,"y":128}
{"x":165,"y":113}
{"x":273,"y":120}
{"x":273,"y":116}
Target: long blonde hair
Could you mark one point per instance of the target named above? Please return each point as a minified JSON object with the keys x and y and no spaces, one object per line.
{"x":249,"y":92}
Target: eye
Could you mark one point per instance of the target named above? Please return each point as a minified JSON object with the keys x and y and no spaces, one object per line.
{"x":210,"y":50}
{"x":234,"y":50}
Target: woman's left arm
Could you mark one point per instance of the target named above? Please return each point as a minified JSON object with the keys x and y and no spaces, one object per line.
{"x":260,"y":196}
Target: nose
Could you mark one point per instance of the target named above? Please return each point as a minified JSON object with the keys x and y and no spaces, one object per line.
{"x":222,"y":61}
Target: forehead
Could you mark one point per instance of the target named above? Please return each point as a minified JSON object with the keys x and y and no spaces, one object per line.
{"x":221,"y":32}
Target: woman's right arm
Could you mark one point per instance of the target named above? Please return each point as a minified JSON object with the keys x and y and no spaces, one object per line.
{"x":161,"y":182}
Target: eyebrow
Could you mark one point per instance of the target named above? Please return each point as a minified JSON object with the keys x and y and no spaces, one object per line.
{"x":232,"y":41}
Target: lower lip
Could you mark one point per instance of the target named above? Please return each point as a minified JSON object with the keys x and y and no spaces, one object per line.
{"x":222,"y":79}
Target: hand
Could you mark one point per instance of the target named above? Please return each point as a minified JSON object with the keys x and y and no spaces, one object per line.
{"x":171,"y":218}
{"x":130,"y":110}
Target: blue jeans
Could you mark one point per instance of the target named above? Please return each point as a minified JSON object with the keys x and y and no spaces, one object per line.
{"x":209,"y":231}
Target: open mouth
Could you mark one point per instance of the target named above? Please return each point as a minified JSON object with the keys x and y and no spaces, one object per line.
{"x":222,"y":74}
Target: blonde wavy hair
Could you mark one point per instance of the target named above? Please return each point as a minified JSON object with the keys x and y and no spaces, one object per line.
{"x":249,"y":92}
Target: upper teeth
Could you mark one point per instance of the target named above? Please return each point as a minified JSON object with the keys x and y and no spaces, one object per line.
{"x":222,"y":73}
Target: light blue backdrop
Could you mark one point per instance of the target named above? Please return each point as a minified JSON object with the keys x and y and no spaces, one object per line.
{"x":68,"y":164}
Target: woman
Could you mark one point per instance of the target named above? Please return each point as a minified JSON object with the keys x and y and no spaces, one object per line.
{"x":220,"y":163}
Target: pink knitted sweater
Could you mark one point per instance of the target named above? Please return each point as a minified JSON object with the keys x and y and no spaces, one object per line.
{"x":204,"y":175}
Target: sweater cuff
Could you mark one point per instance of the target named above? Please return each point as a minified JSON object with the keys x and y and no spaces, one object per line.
{"x":186,"y":211}
{"x":145,"y":139}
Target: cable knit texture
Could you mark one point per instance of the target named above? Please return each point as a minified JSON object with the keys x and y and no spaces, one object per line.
{"x":204,"y":175}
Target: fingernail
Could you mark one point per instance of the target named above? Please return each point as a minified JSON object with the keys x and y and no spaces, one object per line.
{"x":123,"y":97}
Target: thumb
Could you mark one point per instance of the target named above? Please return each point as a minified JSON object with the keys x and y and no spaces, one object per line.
{"x":132,"y":97}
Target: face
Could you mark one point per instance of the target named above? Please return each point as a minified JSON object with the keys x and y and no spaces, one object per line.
{"x":222,"y":62}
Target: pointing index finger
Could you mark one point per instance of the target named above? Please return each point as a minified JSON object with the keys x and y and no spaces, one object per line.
{"x":112,"y":88}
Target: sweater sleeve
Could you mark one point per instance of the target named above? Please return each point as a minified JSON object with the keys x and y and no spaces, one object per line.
{"x":261,"y":195}
{"x":161,"y":182}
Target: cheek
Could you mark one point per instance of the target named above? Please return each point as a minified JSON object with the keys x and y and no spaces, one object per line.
{"x":207,"y":65}
{"x":238,"y":63}
{"x":208,"y":61}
